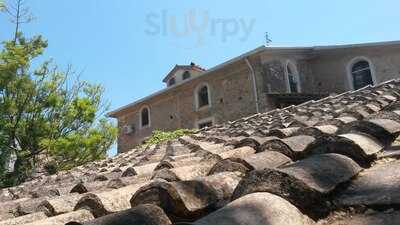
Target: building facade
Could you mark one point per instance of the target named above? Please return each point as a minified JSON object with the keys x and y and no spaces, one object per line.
{"x":257,"y":81}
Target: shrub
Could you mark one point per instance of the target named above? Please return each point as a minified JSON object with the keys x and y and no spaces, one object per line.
{"x":159,"y":136}
{"x":51,"y":168}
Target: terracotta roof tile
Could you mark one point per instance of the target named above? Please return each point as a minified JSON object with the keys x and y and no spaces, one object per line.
{"x":256,"y":209}
{"x":331,"y":160}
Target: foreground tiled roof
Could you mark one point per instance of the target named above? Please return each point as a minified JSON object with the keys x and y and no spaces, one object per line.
{"x":333,"y":161}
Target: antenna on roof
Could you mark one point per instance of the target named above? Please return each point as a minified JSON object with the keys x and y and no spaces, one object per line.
{"x":267,"y":39}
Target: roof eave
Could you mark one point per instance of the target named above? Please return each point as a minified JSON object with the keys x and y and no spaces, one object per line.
{"x":166,"y":78}
{"x":363,"y":45}
{"x":254,"y":51}
{"x":114,"y":113}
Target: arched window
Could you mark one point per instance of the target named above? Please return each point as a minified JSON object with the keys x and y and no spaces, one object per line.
{"x":361,"y":74}
{"x":292,"y":78}
{"x":145,"y":117}
{"x":171,"y":81}
{"x":202,"y":96}
{"x":186,"y":75}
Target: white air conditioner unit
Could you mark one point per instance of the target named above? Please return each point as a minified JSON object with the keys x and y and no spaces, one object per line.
{"x":128,"y":129}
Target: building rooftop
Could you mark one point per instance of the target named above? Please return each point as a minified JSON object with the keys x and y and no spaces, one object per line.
{"x":332,"y":161}
{"x":266,"y":49}
{"x":191,"y":66}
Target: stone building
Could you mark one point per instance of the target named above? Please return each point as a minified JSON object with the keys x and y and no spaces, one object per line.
{"x":257,"y":81}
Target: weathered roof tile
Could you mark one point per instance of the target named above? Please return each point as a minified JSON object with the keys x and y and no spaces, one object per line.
{"x":24,"y":219}
{"x":259,"y":161}
{"x":103,"y":203}
{"x":186,"y":200}
{"x":377,"y":186}
{"x":366,"y":143}
{"x":197,"y":174}
{"x":304,"y":183}
{"x":79,"y":215}
{"x":184,"y":173}
{"x":256,"y":209}
{"x":141,"y":215}
{"x":384,"y":130}
{"x":60,"y":205}
{"x":377,"y":218}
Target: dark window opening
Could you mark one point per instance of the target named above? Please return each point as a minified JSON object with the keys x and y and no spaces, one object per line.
{"x":361,"y":73}
{"x":205,"y":124}
{"x":171,"y":81}
{"x":203,"y":97}
{"x":186,"y":75}
{"x":145,"y":117}
{"x":293,"y":85}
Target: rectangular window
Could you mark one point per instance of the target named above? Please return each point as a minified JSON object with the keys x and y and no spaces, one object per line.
{"x":145,"y":117}
{"x":203,"y":97}
{"x":293,"y":84}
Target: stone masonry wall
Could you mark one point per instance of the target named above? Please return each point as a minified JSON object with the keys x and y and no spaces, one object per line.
{"x":330,"y":67}
{"x":231,"y":98}
{"x":231,"y":87}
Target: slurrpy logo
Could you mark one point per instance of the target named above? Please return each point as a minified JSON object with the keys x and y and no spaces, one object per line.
{"x":198,"y":24}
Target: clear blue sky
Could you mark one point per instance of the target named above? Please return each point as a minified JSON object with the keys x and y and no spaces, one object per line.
{"x":129,"y":46}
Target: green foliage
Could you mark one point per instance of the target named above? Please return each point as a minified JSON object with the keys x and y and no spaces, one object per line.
{"x":46,"y":113}
{"x":159,"y":136}
{"x":51,"y":168}
{"x":2,"y":5}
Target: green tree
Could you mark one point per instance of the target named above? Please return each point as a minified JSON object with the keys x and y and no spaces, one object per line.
{"x":46,"y":115}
